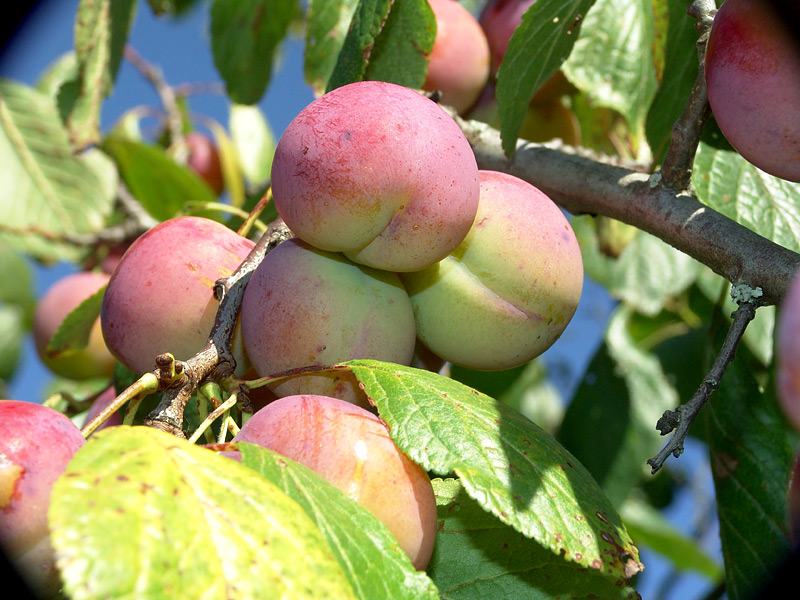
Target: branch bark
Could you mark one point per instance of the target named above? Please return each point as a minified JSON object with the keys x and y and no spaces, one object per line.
{"x":583,"y":185}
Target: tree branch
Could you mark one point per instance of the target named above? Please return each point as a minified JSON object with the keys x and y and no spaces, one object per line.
{"x":678,"y":421}
{"x":215,"y":360}
{"x":583,"y":185}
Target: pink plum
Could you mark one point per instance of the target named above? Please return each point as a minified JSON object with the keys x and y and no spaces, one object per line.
{"x":379,"y":172}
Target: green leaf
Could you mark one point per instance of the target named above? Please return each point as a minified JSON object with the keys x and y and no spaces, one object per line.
{"x":47,"y":192}
{"x":101,"y":32}
{"x":160,"y":184}
{"x":680,"y":72}
{"x":646,"y":275}
{"x":507,"y":463}
{"x":650,"y":528}
{"x":623,"y":394}
{"x":254,"y":142}
{"x":327,"y":22}
{"x":751,"y":460}
{"x":141,"y":513}
{"x":245,"y":36}
{"x":770,"y":206}
{"x":388,"y":40}
{"x":369,"y":555}
{"x":613,"y":60}
{"x":73,"y":333}
{"x":538,"y":47}
{"x":21,"y":294}
{"x":12,"y":333}
{"x":171,"y":7}
{"x":477,"y":556}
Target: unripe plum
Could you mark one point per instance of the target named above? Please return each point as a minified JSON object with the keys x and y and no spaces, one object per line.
{"x":379,"y":172}
{"x":204,"y":160}
{"x":787,"y":353}
{"x":57,"y":302}
{"x":510,"y":289}
{"x":752,"y":69}
{"x":351,"y":448}
{"x":458,"y":66}
{"x":36,"y":443}
{"x":304,"y":306}
{"x":160,"y":296}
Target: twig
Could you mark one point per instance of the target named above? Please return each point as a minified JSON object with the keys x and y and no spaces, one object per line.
{"x":680,"y":420}
{"x":676,"y":171}
{"x":164,"y":91}
{"x":146,"y":384}
{"x":215,"y":360}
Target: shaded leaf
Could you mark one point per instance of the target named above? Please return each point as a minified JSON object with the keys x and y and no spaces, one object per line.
{"x":613,"y":61}
{"x":327,"y":22}
{"x":388,"y":40}
{"x":623,"y":393}
{"x":369,"y":555}
{"x":680,"y":72}
{"x":751,"y":460}
{"x":647,"y":274}
{"x":245,"y":36}
{"x":651,"y":528}
{"x":477,"y":556}
{"x":540,"y":44}
{"x":73,"y":333}
{"x":47,"y":192}
{"x":507,"y":463}
{"x":732,"y":186}
{"x":161,"y":185}
{"x":101,"y":32}
{"x":140,"y":513}
{"x":13,"y":334}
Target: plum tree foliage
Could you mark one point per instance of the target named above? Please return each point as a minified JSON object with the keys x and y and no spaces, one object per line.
{"x":338,"y":285}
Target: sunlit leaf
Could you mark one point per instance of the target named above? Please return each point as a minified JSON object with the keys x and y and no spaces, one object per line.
{"x":369,"y":555}
{"x":509,"y":465}
{"x":140,"y":513}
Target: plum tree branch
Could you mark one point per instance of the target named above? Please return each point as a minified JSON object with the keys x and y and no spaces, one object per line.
{"x":583,"y":185}
{"x":215,"y":360}
{"x":678,"y":421}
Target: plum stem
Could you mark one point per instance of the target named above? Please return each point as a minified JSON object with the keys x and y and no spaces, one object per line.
{"x":215,"y":361}
{"x":679,"y":421}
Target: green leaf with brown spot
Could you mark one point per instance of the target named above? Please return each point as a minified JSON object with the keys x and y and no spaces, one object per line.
{"x":509,"y":465}
{"x":142,"y":514}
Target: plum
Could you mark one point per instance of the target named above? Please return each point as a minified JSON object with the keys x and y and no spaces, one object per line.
{"x":304,"y":307}
{"x":507,"y":293}
{"x":160,"y":297}
{"x":203,"y":159}
{"x":57,"y":302}
{"x":36,"y":443}
{"x":351,"y":448}
{"x":752,"y":70}
{"x":458,"y":66}
{"x":379,"y":172}
{"x":787,"y":353}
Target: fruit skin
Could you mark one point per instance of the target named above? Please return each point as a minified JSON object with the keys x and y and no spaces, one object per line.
{"x":351,"y":448}
{"x":59,"y":300}
{"x":305,"y":306}
{"x":787,"y":353}
{"x":36,"y":443}
{"x":204,"y":160}
{"x":499,"y":19}
{"x":160,"y":296}
{"x":458,"y":66}
{"x":752,"y":69}
{"x":379,"y":172}
{"x":509,"y":290}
